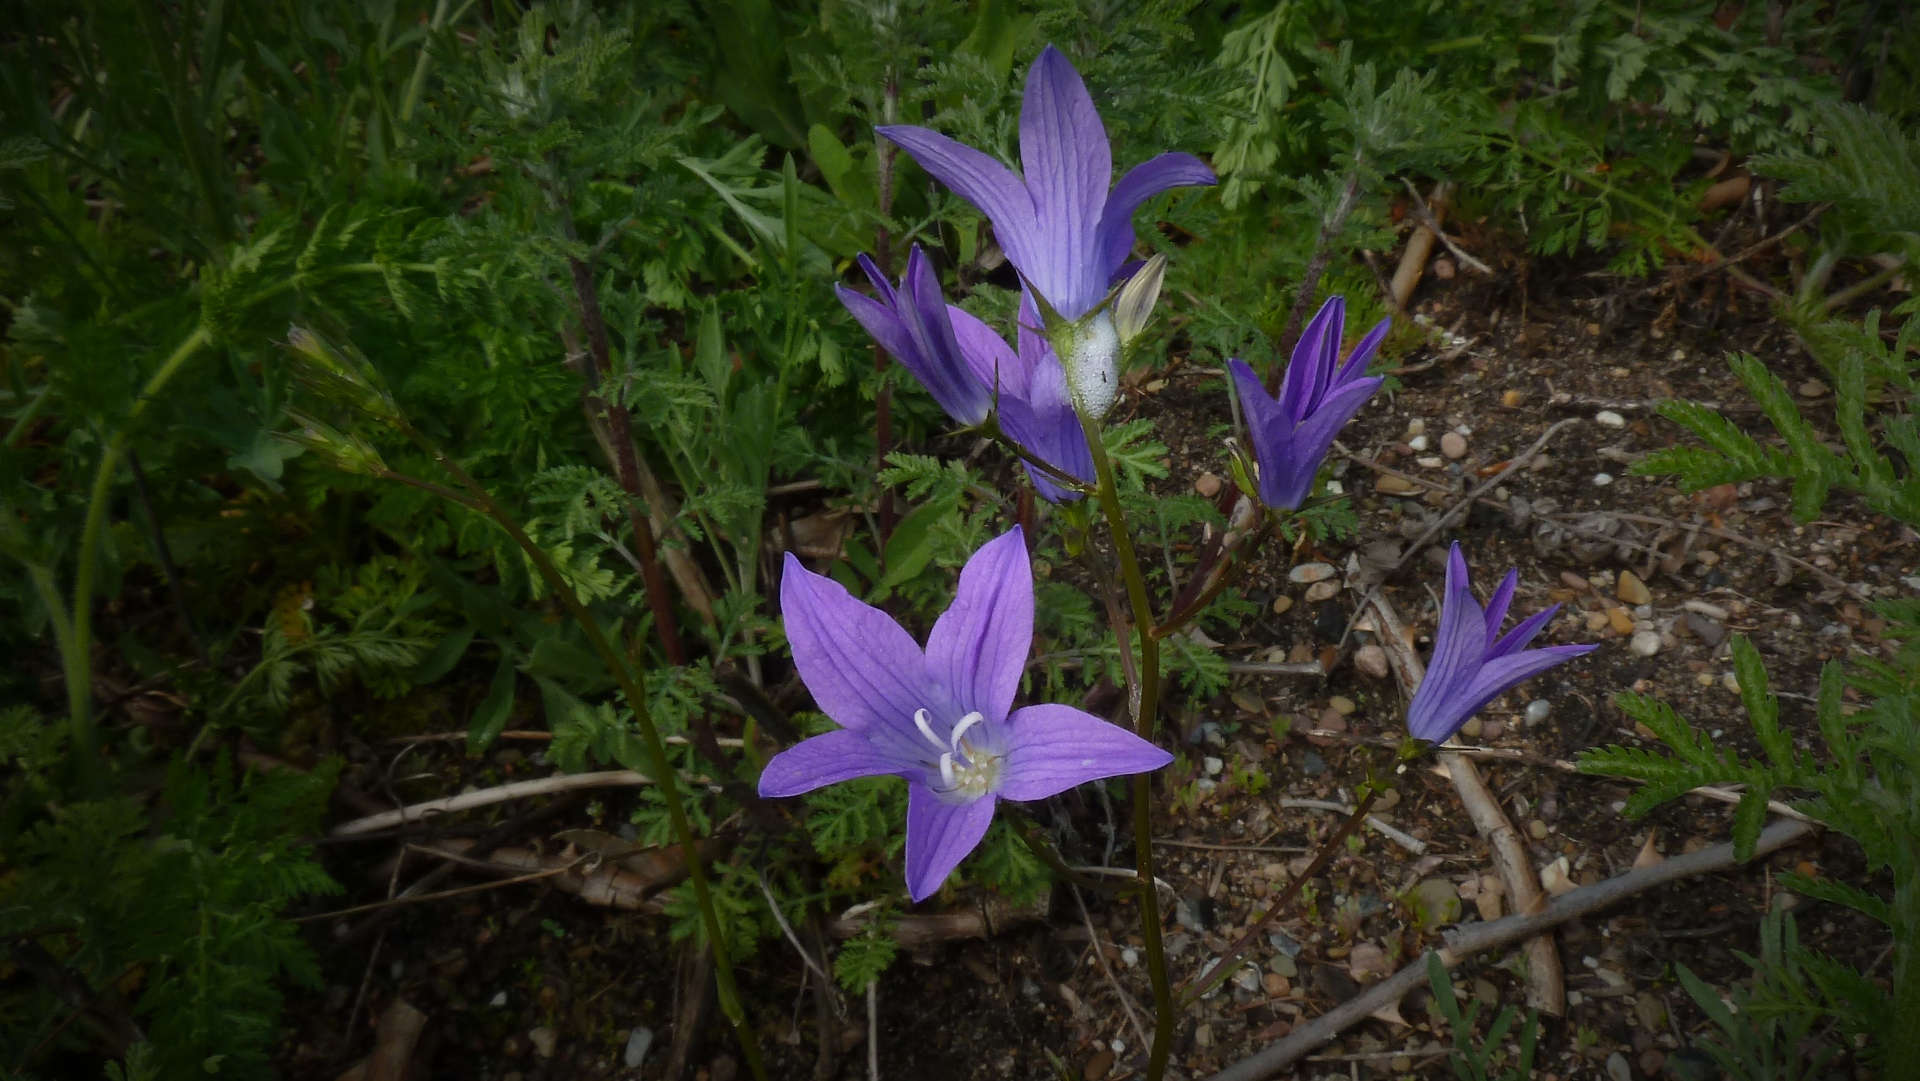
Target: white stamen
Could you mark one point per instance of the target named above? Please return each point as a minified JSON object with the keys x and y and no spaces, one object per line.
{"x":923,"y":721}
{"x":960,"y":729}
{"x":946,"y":769}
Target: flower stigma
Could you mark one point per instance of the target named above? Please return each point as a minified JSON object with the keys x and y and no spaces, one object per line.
{"x":967,"y":772}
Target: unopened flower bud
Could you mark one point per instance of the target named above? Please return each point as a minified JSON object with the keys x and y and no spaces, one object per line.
{"x":1090,"y":352}
{"x":1134,"y":306}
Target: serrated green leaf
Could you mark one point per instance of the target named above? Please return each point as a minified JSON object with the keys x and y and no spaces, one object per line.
{"x":1763,"y":709}
{"x":1839,"y":893}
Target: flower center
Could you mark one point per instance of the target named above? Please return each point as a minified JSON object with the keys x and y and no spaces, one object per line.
{"x":967,"y":770}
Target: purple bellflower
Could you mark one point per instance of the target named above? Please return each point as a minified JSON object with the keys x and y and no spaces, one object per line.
{"x":1473,"y":663}
{"x":912,"y":324}
{"x":1065,"y":226}
{"x":1291,"y":435}
{"x":1036,"y":409}
{"x":940,"y":717}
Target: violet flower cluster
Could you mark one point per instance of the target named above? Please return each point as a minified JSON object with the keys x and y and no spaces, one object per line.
{"x":941,"y":716}
{"x":1068,"y":230}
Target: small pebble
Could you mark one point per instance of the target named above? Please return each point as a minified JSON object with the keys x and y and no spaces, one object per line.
{"x":1428,"y":461}
{"x":1342,"y":705}
{"x":1416,"y":427}
{"x":1281,"y":604}
{"x":1541,"y":463}
{"x":1537,"y":830}
{"x":1275,"y":984}
{"x":1632,"y":590}
{"x":1371,"y":660}
{"x":543,"y":1040}
{"x":1620,"y":620}
{"x":1392,"y":485}
{"x":1213,"y":765}
{"x":1322,"y":591}
{"x":1207,"y":485}
{"x":1617,"y":1068}
{"x":1512,"y":399}
{"x":1417,"y":443}
{"x":1537,"y":710}
{"x":1472,"y":728}
{"x":1310,"y":572}
{"x":1730,"y":682}
{"x":1610,"y":419}
{"x":638,"y":1042}
{"x":1098,"y":1066}
{"x":1601,"y":480}
{"x":1129,"y":957}
{"x":1453,"y":445}
{"x":1645,"y":643}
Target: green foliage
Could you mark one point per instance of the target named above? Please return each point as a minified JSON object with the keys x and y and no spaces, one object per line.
{"x":1870,"y":172}
{"x":181,"y":900}
{"x":1487,"y":1059}
{"x":1764,"y":1033}
{"x":1876,"y":385}
{"x":862,"y":958}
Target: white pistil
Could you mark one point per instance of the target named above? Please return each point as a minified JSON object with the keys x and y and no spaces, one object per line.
{"x":946,"y":769}
{"x":960,"y":729}
{"x":923,"y":721}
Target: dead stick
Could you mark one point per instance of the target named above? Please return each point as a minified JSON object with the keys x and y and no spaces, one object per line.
{"x":1546,"y":990}
{"x":466,"y":801}
{"x":1419,"y":246}
{"x":1464,"y":942}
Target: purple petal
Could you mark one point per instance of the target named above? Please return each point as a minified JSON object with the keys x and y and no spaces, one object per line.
{"x":880,"y":320}
{"x":1142,"y":182}
{"x":880,"y":283}
{"x":1068,"y":165}
{"x":1310,"y":368}
{"x":1271,"y":431}
{"x":987,"y":354}
{"x":980,"y":180}
{"x":939,"y":836}
{"x":939,"y":364}
{"x":1503,"y":673}
{"x":829,"y":758}
{"x":1045,"y":423}
{"x":864,"y":671}
{"x":1309,"y":443}
{"x":1497,"y":607}
{"x":1051,"y":748}
{"x":1356,"y":364}
{"x":1516,"y":639}
{"x":1459,"y":645}
{"x":979,"y":645}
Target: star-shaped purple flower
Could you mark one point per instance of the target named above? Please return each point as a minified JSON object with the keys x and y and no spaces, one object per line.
{"x":912,"y":324}
{"x":1473,"y":663}
{"x":1060,"y":225}
{"x":1291,"y":435}
{"x":939,"y":717}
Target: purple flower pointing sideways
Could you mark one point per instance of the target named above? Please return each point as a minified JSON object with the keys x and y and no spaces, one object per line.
{"x":1036,"y":410}
{"x":1291,"y":435}
{"x":1060,"y":224}
{"x":1473,"y":663}
{"x":912,"y":324}
{"x":939,"y":717}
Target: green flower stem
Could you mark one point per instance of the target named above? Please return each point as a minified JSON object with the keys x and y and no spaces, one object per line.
{"x":77,"y":659}
{"x":1146,"y":705}
{"x":655,"y":748}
